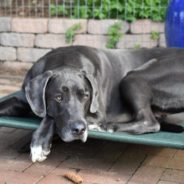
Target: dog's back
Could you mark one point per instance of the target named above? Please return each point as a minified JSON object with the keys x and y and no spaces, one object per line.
{"x":165,"y":76}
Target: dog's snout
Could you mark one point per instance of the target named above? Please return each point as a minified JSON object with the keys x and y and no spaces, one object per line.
{"x":78,"y":128}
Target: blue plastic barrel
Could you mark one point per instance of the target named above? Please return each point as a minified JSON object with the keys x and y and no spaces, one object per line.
{"x":174,"y":24}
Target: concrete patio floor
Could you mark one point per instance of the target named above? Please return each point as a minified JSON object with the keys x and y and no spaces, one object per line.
{"x":97,"y":161}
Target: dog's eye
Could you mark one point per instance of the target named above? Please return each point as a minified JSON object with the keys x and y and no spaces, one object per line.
{"x":83,"y":94}
{"x":65,"y":89}
{"x":59,"y":98}
{"x":86,"y":95}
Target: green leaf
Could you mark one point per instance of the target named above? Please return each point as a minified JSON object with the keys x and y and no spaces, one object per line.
{"x":114,"y":34}
{"x":71,"y":32}
{"x":155,"y":35}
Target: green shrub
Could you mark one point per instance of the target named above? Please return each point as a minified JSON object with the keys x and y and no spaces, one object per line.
{"x":128,"y":10}
{"x":71,"y":32}
{"x":114,"y":35}
{"x":137,"y":46}
{"x":155,"y":35}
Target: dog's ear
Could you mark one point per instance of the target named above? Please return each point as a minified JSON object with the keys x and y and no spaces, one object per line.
{"x":94,"y":101}
{"x":35,"y":93}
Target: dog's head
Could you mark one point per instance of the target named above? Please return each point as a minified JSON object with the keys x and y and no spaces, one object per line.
{"x":67,"y":96}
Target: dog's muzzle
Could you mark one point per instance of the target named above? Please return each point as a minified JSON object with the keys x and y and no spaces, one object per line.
{"x":79,"y":130}
{"x":76,"y":130}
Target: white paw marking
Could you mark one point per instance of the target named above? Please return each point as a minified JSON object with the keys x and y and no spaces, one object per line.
{"x":85,"y":136}
{"x":110,"y":130}
{"x":95,"y":127}
{"x":38,"y":154}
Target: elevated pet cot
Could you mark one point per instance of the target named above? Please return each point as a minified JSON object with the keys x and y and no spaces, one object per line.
{"x":164,"y":139}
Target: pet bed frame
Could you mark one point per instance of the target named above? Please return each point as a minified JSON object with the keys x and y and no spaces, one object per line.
{"x":164,"y":139}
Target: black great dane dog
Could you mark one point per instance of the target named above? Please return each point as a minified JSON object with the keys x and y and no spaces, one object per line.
{"x":77,"y":88}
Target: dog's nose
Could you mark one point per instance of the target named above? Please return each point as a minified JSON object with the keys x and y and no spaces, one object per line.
{"x":78,"y":128}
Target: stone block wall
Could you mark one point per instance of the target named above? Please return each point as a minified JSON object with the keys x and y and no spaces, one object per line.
{"x":24,"y":40}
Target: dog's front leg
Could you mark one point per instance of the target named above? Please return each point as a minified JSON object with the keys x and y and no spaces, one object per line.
{"x":41,"y":140}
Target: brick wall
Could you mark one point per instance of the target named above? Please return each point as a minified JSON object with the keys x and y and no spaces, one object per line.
{"x":26,"y":39}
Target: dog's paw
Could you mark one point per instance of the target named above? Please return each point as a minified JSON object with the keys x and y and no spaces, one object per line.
{"x":95,"y":127}
{"x":109,"y":127}
{"x":38,"y":154}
